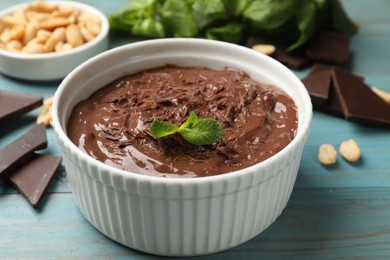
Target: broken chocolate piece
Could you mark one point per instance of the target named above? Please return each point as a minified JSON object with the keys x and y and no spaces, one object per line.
{"x":332,"y":106}
{"x":358,"y":101}
{"x":32,"y":179}
{"x":329,"y":47}
{"x":318,"y":83}
{"x":14,"y":104}
{"x":293,"y":60}
{"x":21,"y":150}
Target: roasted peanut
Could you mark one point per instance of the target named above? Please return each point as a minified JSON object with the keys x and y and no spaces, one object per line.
{"x":17,"y":32}
{"x":267,"y":49}
{"x":327,"y":154}
{"x":57,"y":36}
{"x":5,"y":36}
{"x":30,"y":32}
{"x":45,"y":115}
{"x":350,"y":150}
{"x":47,"y":27}
{"x":87,"y":36}
{"x":73,"y":35}
{"x":14,"y":45}
{"x":60,"y":46}
{"x":53,"y":23}
{"x":43,"y":33}
{"x":382,"y":94}
{"x":11,"y":20}
{"x":33,"y":47}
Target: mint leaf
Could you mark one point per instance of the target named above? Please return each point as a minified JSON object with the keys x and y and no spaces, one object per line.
{"x":207,"y":12}
{"x":235,"y":7}
{"x":138,"y":17}
{"x":230,"y":32}
{"x":162,"y":128}
{"x":203,"y":132}
{"x":195,"y":131}
{"x":190,"y":121}
{"x":148,"y":27}
{"x":177,"y":19}
{"x":341,"y":22}
{"x":306,"y":20}
{"x":270,"y":15}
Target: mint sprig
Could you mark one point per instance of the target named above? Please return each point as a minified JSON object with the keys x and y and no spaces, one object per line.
{"x":196,"y":131}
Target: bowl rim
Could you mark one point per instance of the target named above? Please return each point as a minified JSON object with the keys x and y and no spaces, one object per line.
{"x":52,"y":55}
{"x":300,"y":138}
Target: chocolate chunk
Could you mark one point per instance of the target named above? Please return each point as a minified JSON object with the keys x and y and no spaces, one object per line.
{"x":318,"y":83}
{"x":358,"y":102}
{"x":332,"y":106}
{"x":329,"y":47}
{"x":32,"y":179}
{"x":14,"y":104}
{"x":21,"y":150}
{"x":294,"y":60}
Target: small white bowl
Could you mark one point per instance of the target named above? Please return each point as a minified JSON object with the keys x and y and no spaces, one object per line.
{"x":53,"y":66}
{"x":179,"y":217}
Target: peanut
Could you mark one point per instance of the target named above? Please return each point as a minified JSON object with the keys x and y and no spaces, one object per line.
{"x":14,"y":45}
{"x":45,"y":115}
{"x":382,"y":94}
{"x":60,"y":46}
{"x":33,"y":47}
{"x":350,"y":150}
{"x":11,"y":20}
{"x":17,"y":32}
{"x":30,"y":32}
{"x":327,"y":154}
{"x":42,"y":27}
{"x":87,"y":36}
{"x":58,"y":35}
{"x":53,"y":23}
{"x":267,"y":49}
{"x":43,"y":33}
{"x":5,"y":36}
{"x":73,"y":35}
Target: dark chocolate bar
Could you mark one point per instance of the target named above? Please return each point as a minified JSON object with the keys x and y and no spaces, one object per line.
{"x":318,"y":83}
{"x":32,"y":179}
{"x":14,"y":104}
{"x":329,"y":47}
{"x":359,"y":103}
{"x":293,"y":60}
{"x":21,"y":150}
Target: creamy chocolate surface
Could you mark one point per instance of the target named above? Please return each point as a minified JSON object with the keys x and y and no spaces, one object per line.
{"x":113,"y":124}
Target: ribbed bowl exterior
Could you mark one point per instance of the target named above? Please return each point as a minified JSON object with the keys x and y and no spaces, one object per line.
{"x":180,"y":217}
{"x":186,"y":219}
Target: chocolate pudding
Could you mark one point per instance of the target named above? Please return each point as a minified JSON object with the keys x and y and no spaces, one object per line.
{"x":113,"y":124}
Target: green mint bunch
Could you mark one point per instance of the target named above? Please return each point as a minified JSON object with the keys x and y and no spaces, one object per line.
{"x":205,"y":131}
{"x":292,"y":21}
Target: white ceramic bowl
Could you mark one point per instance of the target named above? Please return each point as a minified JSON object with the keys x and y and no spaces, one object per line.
{"x":53,"y":66}
{"x":179,"y":217}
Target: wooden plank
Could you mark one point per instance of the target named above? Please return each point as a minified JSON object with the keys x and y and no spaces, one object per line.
{"x":317,"y":223}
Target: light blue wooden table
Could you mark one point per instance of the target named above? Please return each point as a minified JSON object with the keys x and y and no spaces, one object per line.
{"x":341,"y":211}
